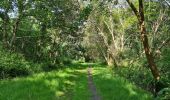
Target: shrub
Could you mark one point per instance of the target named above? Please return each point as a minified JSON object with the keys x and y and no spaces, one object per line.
{"x":13,"y":64}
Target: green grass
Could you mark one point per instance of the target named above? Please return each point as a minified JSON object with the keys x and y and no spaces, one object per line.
{"x":70,"y":84}
{"x":112,"y":87}
{"x":56,"y":85}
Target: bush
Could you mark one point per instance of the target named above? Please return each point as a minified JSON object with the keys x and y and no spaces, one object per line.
{"x":139,"y":73}
{"x":49,"y":66}
{"x":13,"y":64}
{"x":66,"y":61}
{"x":164,"y":94}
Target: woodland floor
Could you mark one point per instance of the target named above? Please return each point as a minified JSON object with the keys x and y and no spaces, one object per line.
{"x":72,"y":83}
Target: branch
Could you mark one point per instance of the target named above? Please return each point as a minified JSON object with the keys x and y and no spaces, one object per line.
{"x":141,"y":10}
{"x":156,"y":25}
{"x":29,"y":36}
{"x":103,"y":37}
{"x":162,"y":45}
{"x":134,"y":9}
{"x":167,"y":2}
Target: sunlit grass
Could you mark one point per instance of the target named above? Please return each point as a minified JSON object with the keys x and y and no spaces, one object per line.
{"x":113,"y":87}
{"x":56,"y":85}
{"x":71,"y":84}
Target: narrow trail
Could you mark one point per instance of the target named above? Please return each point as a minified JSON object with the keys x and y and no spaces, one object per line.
{"x":92,"y":88}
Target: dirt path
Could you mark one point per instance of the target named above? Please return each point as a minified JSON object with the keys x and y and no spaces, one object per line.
{"x":92,"y":88}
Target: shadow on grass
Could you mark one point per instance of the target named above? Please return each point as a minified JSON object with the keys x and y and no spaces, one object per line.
{"x":70,"y":83}
{"x":67,"y":84}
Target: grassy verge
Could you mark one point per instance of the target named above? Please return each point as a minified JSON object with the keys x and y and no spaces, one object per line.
{"x":70,"y":84}
{"x":112,"y":87}
{"x":66,"y":84}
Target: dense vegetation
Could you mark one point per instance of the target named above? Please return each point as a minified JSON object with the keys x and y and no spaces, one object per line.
{"x":47,"y":45}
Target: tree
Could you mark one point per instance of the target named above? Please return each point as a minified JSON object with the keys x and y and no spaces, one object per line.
{"x":144,"y":38}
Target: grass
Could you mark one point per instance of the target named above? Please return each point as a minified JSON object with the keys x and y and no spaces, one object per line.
{"x":70,"y":84}
{"x":112,"y":87}
{"x":56,"y":85}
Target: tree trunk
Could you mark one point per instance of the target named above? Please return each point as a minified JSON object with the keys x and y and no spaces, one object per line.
{"x":148,"y":52}
{"x":5,"y":33}
{"x":144,"y":38}
{"x":15,"y":30}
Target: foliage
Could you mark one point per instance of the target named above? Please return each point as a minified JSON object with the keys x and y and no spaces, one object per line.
{"x":47,"y":35}
{"x":163,"y":94}
{"x":138,"y":73}
{"x":13,"y":64}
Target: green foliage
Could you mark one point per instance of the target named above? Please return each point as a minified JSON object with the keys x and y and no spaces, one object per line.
{"x":164,"y":94}
{"x":136,"y":73}
{"x":164,"y":63}
{"x":13,"y":64}
{"x":46,"y":35}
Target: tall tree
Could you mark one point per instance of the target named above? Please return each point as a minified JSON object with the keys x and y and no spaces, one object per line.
{"x":144,"y":38}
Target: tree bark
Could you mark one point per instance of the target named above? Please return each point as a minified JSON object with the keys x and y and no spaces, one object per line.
{"x":5,"y":28}
{"x":15,"y":30}
{"x":144,"y":38}
{"x":16,"y":25}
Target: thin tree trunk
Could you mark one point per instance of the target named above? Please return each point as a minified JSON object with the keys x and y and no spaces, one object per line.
{"x":15,"y":30}
{"x":144,"y":38}
{"x":16,"y":25}
{"x":5,"y":33}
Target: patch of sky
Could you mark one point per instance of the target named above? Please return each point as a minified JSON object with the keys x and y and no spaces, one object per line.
{"x":14,"y":12}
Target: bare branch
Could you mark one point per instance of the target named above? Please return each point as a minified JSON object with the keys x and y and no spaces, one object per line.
{"x":164,"y":43}
{"x":167,"y":2}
